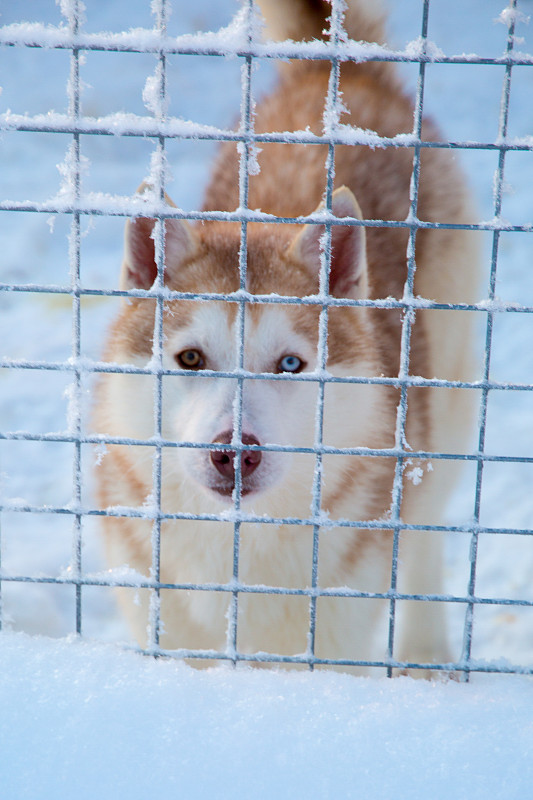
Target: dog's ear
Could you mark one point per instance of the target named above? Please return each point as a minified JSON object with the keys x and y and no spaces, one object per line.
{"x":348,"y":268}
{"x":139,"y":268}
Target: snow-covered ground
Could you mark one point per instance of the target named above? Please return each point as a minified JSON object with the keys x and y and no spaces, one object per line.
{"x":84,"y":717}
{"x":84,"y":720}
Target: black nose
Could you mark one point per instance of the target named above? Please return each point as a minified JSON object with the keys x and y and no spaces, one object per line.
{"x":224,"y":460}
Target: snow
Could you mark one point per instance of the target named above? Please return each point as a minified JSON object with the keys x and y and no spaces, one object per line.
{"x":111,"y":724}
{"x":89,"y":718}
{"x":512,"y":15}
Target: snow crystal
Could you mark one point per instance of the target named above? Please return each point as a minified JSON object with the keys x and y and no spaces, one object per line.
{"x":254,"y":167}
{"x":99,"y":452}
{"x":124,"y":577}
{"x":72,"y":394}
{"x":72,"y":9}
{"x":415,"y":475}
{"x":351,"y":134}
{"x":246,"y":27}
{"x":423,"y":47}
{"x":154,"y":98}
{"x":161,"y":8}
{"x":73,"y":166}
{"x":510,"y":16}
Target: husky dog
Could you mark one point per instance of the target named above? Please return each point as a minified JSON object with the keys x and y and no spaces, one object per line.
{"x":274,"y":429}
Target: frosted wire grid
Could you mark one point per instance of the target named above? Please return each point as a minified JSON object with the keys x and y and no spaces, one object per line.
{"x":246,"y":45}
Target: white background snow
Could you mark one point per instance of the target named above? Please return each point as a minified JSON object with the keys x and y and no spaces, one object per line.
{"x":85,"y":718}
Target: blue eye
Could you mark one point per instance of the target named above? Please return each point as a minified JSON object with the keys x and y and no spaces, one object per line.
{"x":290,"y":364}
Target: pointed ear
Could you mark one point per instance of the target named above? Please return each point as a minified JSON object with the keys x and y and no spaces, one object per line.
{"x":139,"y":268}
{"x":348,"y":269}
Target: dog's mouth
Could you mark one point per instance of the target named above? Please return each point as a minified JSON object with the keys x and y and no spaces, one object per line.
{"x":227,"y":490}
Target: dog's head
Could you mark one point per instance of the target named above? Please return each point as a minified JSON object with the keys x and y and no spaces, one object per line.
{"x":245,"y":379}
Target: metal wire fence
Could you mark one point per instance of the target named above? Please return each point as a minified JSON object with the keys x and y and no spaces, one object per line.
{"x":161,"y":128}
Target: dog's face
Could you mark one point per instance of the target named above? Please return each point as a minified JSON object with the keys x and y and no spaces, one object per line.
{"x":241,"y":372}
{"x":203,"y":409}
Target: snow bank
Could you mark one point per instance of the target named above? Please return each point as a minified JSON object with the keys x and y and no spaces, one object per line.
{"x":89,"y":720}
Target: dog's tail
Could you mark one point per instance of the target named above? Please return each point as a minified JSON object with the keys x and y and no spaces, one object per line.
{"x":308,"y":19}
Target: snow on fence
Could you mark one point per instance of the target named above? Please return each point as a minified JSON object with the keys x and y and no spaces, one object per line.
{"x":242,"y":40}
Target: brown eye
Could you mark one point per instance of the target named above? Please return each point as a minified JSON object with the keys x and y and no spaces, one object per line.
{"x":190,"y":359}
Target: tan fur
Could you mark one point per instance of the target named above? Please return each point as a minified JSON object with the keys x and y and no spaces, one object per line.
{"x":361,"y":342}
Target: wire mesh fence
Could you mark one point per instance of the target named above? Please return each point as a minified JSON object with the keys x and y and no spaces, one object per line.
{"x":242,"y":42}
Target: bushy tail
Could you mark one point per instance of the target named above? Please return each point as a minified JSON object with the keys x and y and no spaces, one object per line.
{"x":307,"y":19}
